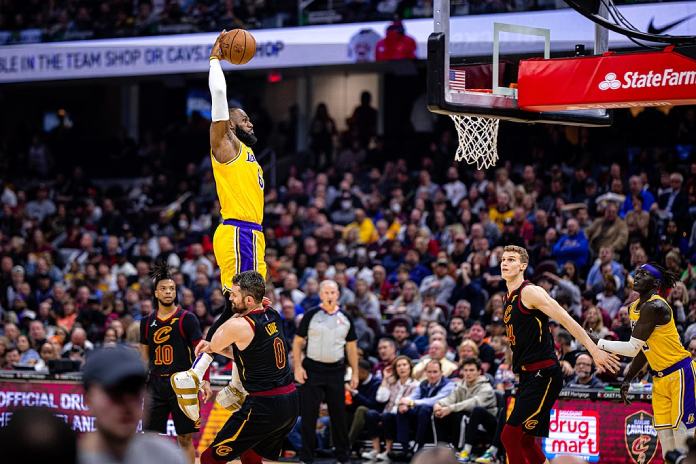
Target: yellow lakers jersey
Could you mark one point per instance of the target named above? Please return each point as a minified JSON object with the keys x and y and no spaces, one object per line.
{"x":239,"y":185}
{"x":663,"y":347}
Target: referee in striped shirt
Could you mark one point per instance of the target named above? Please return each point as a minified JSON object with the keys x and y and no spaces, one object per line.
{"x":328,"y":334}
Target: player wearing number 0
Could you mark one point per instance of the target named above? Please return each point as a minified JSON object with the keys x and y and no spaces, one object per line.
{"x":255,"y":340}
{"x":167,"y":340}
{"x":655,"y":341}
{"x":238,"y":243}
{"x":527,"y":312}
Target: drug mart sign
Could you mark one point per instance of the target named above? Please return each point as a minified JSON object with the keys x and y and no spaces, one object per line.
{"x":573,"y":433}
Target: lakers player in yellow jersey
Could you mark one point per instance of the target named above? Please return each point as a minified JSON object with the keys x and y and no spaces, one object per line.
{"x":238,"y":242}
{"x":655,"y":341}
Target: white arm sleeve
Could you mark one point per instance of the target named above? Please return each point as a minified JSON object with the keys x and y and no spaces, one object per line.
{"x":218,"y":92}
{"x":629,"y":348}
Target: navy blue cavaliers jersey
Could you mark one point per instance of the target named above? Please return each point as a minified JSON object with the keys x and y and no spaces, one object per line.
{"x":171,"y":341}
{"x":528,"y":332}
{"x":263,"y":365}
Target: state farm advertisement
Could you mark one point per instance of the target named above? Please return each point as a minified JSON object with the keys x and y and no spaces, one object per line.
{"x":67,"y":399}
{"x":660,"y":78}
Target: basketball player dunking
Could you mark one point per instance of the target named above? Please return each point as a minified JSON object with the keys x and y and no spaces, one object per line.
{"x":238,"y":242}
{"x":527,"y":312}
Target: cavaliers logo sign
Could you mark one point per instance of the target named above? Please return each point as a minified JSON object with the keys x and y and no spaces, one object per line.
{"x":640,"y":437}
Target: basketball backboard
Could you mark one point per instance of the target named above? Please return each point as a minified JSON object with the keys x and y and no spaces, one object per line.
{"x":474,"y":86}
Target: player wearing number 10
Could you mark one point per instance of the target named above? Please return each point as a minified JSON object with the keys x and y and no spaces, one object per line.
{"x":167,"y":340}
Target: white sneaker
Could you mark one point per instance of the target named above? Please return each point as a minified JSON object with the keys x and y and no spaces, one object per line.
{"x":370,"y":455}
{"x":383,"y":456}
{"x":230,"y":398}
{"x":186,"y":385}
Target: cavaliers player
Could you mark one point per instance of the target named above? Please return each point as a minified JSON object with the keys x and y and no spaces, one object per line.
{"x":527,"y":312}
{"x":238,"y":243}
{"x":655,"y":341}
{"x":167,"y":340}
{"x":259,"y":351}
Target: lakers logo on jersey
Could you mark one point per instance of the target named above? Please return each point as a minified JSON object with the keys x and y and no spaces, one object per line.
{"x":271,"y":328}
{"x":691,"y":419}
{"x":250,"y":157}
{"x":506,"y":316}
{"x":161,"y":335}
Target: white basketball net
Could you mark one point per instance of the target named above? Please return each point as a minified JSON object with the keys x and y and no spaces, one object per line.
{"x":478,"y":140}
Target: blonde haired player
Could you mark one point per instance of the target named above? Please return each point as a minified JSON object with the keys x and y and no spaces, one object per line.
{"x":238,"y":242}
{"x":655,"y":341}
{"x":528,"y":309}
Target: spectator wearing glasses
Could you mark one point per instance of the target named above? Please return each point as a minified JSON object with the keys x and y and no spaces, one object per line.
{"x":584,"y":374}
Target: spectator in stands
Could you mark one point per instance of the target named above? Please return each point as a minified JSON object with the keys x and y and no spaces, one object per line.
{"x":607,"y":299}
{"x":397,"y":383}
{"x":608,"y":231}
{"x":691,"y":346}
{"x":48,"y":352}
{"x":584,"y":375}
{"x":440,"y":283}
{"x":572,"y":246}
{"x":638,"y":220}
{"x":636,"y":190}
{"x":12,"y":358}
{"x":78,"y":338}
{"x":386,"y":351}
{"x":367,"y":302}
{"x":27,"y":355}
{"x":567,"y":354}
{"x":674,"y":204}
{"x":593,"y":322}
{"x":477,"y":334}
{"x":436,"y":351}
{"x":37,"y":334}
{"x":621,"y":325}
{"x":11,"y":332}
{"x":474,"y":397}
{"x":416,"y":410}
{"x":364,"y":400}
{"x":605,"y":262}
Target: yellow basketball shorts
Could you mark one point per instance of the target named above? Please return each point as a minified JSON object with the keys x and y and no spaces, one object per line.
{"x":674,"y":396}
{"x":239,"y":246}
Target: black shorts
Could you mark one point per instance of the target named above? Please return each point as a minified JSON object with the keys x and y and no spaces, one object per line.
{"x":261,"y":424}
{"x":160,"y":403}
{"x":536,"y":395}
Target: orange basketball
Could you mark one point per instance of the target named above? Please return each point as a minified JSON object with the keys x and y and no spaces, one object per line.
{"x":238,"y":46}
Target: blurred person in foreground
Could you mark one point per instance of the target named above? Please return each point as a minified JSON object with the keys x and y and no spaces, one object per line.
{"x":528,"y":309}
{"x":37,"y":436}
{"x":655,"y":341}
{"x":114,"y":383}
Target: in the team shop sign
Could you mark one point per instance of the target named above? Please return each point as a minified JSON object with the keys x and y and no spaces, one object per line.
{"x":574,"y":433}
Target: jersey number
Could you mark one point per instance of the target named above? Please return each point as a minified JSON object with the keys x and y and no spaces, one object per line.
{"x":164,"y":355}
{"x":279,"y":348}
{"x":510,"y":334}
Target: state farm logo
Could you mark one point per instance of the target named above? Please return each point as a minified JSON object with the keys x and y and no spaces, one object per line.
{"x":637,"y":80}
{"x":610,"y":82}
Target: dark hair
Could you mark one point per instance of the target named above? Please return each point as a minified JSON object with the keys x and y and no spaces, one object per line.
{"x":365,"y":364}
{"x":562,"y":335}
{"x":472,"y":360}
{"x":388,"y":340}
{"x":160,"y":271}
{"x":252,"y":284}
{"x":668,"y":279}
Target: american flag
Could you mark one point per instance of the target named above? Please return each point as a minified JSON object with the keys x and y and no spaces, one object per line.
{"x":457,"y":80}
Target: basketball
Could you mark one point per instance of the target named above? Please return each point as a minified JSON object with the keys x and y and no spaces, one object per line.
{"x":238,"y":46}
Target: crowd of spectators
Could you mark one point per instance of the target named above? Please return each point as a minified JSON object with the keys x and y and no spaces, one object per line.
{"x":413,"y":244}
{"x":36,"y":20}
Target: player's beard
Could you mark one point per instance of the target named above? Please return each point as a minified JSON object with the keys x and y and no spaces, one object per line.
{"x":162,"y":304}
{"x":238,"y":309}
{"x":247,"y":138}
